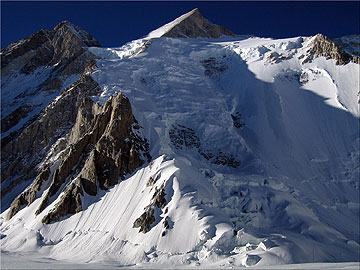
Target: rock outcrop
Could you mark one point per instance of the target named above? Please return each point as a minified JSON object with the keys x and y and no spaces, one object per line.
{"x":23,"y":157}
{"x":213,"y":66}
{"x":69,"y":204}
{"x":183,"y":137}
{"x":74,"y":146}
{"x":30,"y":129}
{"x":30,"y":194}
{"x":145,"y":220}
{"x":108,"y":147}
{"x":157,"y":203}
{"x":323,"y":46}
{"x":47,"y":58}
{"x":47,"y":47}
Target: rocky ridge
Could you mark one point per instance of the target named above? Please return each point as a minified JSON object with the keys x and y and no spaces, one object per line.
{"x":323,"y":46}
{"x":108,"y":146}
{"x":49,"y":57}
{"x":55,"y":55}
{"x":22,"y":157}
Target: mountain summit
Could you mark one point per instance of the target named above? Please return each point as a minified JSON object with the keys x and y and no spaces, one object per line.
{"x":182,"y":150}
{"x":56,"y":56}
{"x":191,"y":25}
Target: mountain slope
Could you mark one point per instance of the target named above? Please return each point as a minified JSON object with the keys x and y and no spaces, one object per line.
{"x":35,"y":71}
{"x":45,"y":62}
{"x":254,"y":145}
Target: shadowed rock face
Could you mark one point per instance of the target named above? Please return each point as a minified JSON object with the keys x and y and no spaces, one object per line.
{"x":61,"y":52}
{"x":350,"y":44}
{"x":64,"y":42}
{"x":324,"y":46}
{"x":109,"y":147}
{"x":185,"y":137}
{"x":30,"y":194}
{"x":94,"y":145}
{"x":19,"y":48}
{"x":21,"y":157}
{"x":69,"y":204}
{"x":195,"y":25}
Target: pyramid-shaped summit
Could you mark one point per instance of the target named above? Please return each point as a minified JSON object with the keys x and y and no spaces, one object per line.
{"x":191,"y":25}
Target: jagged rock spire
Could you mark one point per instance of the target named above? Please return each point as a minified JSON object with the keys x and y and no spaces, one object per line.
{"x":61,"y":53}
{"x":64,"y":36}
{"x":191,"y":25}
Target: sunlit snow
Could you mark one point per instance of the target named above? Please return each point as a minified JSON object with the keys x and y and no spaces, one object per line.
{"x":293,"y":199}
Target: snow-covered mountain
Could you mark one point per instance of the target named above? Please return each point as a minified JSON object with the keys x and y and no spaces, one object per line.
{"x":191,"y":146}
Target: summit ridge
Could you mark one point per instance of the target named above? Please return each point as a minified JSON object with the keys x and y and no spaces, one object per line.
{"x":191,"y":25}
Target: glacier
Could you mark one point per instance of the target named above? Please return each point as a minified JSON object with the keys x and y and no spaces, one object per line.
{"x":257,"y":152}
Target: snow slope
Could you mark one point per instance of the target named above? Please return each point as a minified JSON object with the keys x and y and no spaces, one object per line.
{"x":293,"y":127}
{"x":34,"y":260}
{"x":167,"y":27}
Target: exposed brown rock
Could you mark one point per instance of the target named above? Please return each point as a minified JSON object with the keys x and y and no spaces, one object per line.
{"x":88,"y":175}
{"x":145,"y":220}
{"x":63,"y":42}
{"x":64,"y":170}
{"x":195,"y":25}
{"x":166,"y":223}
{"x":25,"y":45}
{"x":21,"y":157}
{"x":61,"y":50}
{"x":324,"y":46}
{"x":107,"y":150}
{"x":70,"y":203}
{"x":273,"y":58}
{"x":68,"y":42}
{"x":152,"y":180}
{"x":30,"y":194}
{"x":158,"y":198}
{"x":158,"y":201}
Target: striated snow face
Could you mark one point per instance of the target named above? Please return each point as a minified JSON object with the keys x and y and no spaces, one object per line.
{"x":256,"y":151}
{"x":167,"y":27}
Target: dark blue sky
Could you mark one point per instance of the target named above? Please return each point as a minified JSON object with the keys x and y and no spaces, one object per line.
{"x":115,"y":23}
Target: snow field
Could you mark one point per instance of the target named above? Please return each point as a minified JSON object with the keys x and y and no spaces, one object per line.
{"x":294,"y":197}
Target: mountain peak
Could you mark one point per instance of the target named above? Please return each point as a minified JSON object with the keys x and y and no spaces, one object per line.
{"x":81,"y":34}
{"x":191,"y":25}
{"x":322,"y":45}
{"x":59,"y":25}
